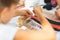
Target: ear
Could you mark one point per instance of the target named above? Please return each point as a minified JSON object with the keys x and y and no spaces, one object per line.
{"x":3,"y":16}
{"x":4,"y":10}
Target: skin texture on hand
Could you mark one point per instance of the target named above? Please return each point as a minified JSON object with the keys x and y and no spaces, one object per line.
{"x":22,"y":2}
{"x":58,"y":2}
{"x":23,"y":13}
{"x":57,"y":13}
{"x":47,"y":33}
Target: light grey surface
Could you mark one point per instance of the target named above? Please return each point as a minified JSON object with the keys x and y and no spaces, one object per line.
{"x":58,"y":35}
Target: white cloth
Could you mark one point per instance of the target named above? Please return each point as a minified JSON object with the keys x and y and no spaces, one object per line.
{"x":8,"y":31}
{"x":31,"y":3}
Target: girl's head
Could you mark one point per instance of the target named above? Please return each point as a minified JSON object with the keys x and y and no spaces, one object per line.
{"x":7,"y":8}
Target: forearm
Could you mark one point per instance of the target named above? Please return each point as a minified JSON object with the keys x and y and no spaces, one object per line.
{"x":18,"y":13}
{"x":42,"y":19}
{"x":33,"y":35}
{"x":58,"y":1}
